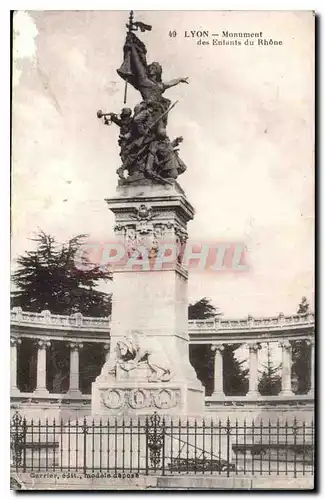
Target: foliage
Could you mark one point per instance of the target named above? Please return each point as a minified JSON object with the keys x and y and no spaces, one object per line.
{"x":235,"y":380}
{"x":301,"y":366}
{"x":201,"y":359}
{"x":235,"y":377}
{"x":270,"y":381}
{"x":203,"y":309}
{"x":47,"y":278}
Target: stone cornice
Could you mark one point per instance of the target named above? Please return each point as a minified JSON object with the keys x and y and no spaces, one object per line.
{"x":280,"y":402}
{"x":215,"y":329}
{"x":211,"y":403}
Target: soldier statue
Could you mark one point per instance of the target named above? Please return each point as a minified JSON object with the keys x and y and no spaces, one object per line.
{"x":145,"y":148}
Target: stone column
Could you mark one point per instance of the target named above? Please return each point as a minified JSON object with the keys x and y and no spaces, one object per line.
{"x":41,"y":367}
{"x":74,"y":369}
{"x":311,"y":391}
{"x":286,"y":368}
{"x":253,"y":348}
{"x":218,"y":371}
{"x":13,"y":364}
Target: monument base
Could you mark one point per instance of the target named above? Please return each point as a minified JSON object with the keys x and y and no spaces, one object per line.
{"x":136,"y":392}
{"x":142,"y":398}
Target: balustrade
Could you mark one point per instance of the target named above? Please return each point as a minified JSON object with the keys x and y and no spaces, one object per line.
{"x":218,"y":323}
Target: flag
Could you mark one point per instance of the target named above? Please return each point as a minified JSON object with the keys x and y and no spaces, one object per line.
{"x":127,"y":70}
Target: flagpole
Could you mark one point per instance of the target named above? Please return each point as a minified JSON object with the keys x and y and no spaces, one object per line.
{"x":129,"y":26}
{"x":125,"y":90}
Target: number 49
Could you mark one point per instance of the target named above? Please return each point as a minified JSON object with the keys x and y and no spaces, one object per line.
{"x":172,"y":33}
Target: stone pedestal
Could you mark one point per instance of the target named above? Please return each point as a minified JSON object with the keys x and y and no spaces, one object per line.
{"x":148,"y":368}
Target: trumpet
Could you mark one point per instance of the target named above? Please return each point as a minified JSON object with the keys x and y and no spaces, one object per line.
{"x":106,"y":116}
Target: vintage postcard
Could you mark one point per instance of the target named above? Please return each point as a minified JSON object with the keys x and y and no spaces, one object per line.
{"x":162,"y":300}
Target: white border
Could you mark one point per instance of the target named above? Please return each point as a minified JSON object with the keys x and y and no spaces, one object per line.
{"x":317,"y":5}
{"x":167,"y":5}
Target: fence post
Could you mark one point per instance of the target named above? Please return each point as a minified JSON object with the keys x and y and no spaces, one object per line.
{"x":85,"y":430}
{"x":228,"y":430}
{"x":294,"y":431}
{"x":24,"y":447}
{"x":245,"y":450}
{"x":147,"y":444}
{"x":17,"y":438}
{"x":155,"y":440}
{"x":313,"y":444}
{"x":163,"y":446}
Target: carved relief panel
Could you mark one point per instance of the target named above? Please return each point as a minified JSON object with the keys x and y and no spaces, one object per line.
{"x":140,"y":398}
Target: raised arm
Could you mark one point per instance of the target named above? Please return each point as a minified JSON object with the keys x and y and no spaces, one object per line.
{"x":115,"y":119}
{"x":174,"y":82}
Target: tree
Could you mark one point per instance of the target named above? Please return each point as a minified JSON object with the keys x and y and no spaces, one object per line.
{"x":47,"y":278}
{"x":301,"y":365}
{"x":201,"y":357}
{"x":200,"y":354}
{"x":270,"y":381}
{"x":235,"y":380}
{"x":203,"y":309}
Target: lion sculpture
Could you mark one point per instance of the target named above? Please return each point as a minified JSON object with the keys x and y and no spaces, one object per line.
{"x":137,"y":348}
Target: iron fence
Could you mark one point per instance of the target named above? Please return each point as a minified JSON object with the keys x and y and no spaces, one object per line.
{"x":160,"y":445}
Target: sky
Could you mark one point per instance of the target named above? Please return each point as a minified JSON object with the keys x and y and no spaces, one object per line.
{"x":247,"y":118}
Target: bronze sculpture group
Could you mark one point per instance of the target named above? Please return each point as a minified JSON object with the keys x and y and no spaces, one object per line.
{"x":146,"y":151}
